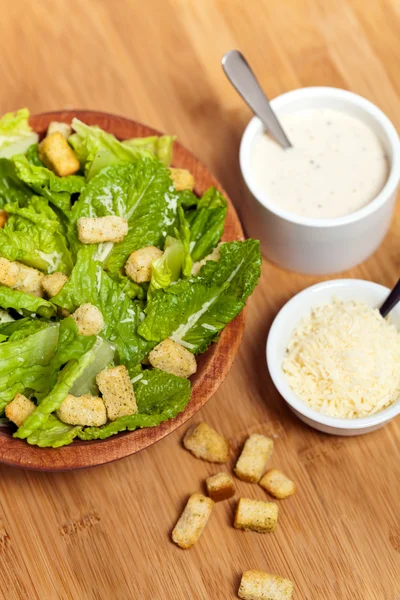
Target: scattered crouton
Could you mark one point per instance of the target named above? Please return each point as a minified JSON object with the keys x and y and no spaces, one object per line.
{"x":57,"y":155}
{"x":204,"y":442}
{"x":3,"y":218}
{"x":277,"y":484}
{"x":257,"y":585}
{"x":9,"y":273}
{"x":256,"y":515}
{"x":220,"y":487}
{"x":215,"y":256}
{"x":95,"y":230}
{"x":86,"y":410}
{"x":182,"y":179}
{"x":173,"y":358}
{"x":192,"y":521}
{"x":117,"y":390}
{"x":255,"y":454}
{"x":89,"y":319}
{"x":138,"y":265}
{"x":62,"y":128}
{"x":30,"y":280}
{"x":19,"y":409}
{"x":52,"y":284}
{"x":20,"y":277}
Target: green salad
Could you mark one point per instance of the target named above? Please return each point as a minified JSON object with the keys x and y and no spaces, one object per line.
{"x":112,"y":279}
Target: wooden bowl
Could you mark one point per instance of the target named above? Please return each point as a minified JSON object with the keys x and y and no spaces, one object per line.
{"x":213,"y":365}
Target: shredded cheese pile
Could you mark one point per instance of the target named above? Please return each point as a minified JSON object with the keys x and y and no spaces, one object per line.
{"x":344,"y":360}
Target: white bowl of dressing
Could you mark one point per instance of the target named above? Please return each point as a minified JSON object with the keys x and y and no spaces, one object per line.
{"x":282,"y":329}
{"x":325,"y":205}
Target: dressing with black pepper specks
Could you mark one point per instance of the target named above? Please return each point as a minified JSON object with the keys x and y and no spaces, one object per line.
{"x":336,"y":166}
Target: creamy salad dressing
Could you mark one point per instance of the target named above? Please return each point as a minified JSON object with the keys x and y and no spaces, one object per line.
{"x":337,"y":164}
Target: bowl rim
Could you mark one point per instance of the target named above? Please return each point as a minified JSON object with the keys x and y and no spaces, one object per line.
{"x":355,"y":100}
{"x":281,"y":383}
{"x":218,"y":359}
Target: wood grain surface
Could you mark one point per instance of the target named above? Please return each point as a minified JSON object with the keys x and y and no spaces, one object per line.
{"x":103,"y":533}
{"x":212,"y":366}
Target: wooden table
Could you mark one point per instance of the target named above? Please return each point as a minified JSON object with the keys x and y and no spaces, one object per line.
{"x":104,"y":533}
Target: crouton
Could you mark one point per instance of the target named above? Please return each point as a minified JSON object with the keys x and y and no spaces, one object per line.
{"x":138,"y":265}
{"x":220,"y":486}
{"x":86,"y":410}
{"x":182,"y":179}
{"x":257,"y":585}
{"x":3,"y":218}
{"x":205,"y":443}
{"x":95,"y":230}
{"x":88,"y":319}
{"x":62,"y":128}
{"x":277,"y":484}
{"x":19,"y":277}
{"x":53,"y":283}
{"x":57,"y":155}
{"x":215,"y":256}
{"x":9,"y":273}
{"x":192,"y":521}
{"x":255,"y":454}
{"x":19,"y":409}
{"x":256,"y":515}
{"x":117,"y":390}
{"x":173,"y":358}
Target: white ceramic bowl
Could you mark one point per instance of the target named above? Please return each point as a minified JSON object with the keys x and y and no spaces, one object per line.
{"x":282,"y":329}
{"x":321,"y":246}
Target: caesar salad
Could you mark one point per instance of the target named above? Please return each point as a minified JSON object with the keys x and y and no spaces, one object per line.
{"x":113,"y":278}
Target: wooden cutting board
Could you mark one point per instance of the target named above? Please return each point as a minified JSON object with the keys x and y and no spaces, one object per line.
{"x":104,"y":533}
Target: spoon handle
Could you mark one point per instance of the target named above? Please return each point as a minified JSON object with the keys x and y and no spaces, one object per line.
{"x":239,"y":73}
{"x":391,"y":300}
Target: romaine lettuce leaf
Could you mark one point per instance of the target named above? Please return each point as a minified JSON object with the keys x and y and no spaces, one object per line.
{"x":86,"y":383}
{"x":159,"y":395}
{"x":206,"y":223}
{"x":14,"y":123}
{"x":25,"y":363}
{"x":57,"y":190}
{"x":32,"y":156}
{"x":182,"y":232}
{"x":187,"y":199}
{"x":168,"y":267}
{"x":5,"y":316}
{"x":89,"y":283}
{"x":129,"y":287}
{"x":161,"y":146}
{"x":71,"y":345}
{"x":66,"y":379}
{"x":53,"y":434}
{"x":11,"y":188}
{"x":194,"y":311}
{"x":25,"y":303}
{"x":16,"y":134}
{"x":17,"y":330}
{"x":31,"y":235}
{"x":140,"y":192}
{"x":97,"y":149}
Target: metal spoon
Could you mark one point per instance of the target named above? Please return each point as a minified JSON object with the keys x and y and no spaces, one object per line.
{"x":239,"y":73}
{"x":391,"y":300}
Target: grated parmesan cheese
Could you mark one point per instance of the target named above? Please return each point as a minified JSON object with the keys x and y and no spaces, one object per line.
{"x":344,"y":360}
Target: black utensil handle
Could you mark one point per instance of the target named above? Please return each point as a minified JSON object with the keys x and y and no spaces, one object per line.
{"x":391,"y":300}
